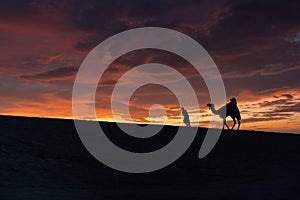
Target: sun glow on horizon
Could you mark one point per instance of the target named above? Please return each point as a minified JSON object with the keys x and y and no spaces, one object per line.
{"x":267,"y":114}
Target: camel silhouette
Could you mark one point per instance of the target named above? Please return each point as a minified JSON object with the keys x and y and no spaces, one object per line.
{"x":230,"y":109}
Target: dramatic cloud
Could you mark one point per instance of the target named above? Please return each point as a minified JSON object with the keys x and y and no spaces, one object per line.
{"x":255,"y":44}
{"x":52,"y":75}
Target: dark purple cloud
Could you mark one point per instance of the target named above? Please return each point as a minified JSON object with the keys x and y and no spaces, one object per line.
{"x":251,"y":38}
{"x":294,"y":108}
{"x":52,"y":75}
{"x":288,"y":96}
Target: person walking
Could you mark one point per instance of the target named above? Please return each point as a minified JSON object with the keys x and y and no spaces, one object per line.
{"x":186,"y":117}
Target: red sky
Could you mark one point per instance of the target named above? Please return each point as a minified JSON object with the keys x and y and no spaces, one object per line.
{"x":255,"y":44}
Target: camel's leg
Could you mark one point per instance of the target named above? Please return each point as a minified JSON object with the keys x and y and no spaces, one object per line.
{"x":234,"y":123}
{"x":239,"y":124}
{"x":226,"y":124}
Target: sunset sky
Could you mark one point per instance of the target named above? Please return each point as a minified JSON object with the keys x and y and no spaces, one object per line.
{"x":255,"y":44}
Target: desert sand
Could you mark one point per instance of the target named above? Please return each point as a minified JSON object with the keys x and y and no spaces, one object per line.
{"x":45,"y":159}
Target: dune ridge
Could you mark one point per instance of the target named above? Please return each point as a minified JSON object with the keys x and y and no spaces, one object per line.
{"x":45,"y":159}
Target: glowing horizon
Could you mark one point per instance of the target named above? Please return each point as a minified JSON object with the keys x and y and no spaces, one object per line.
{"x":248,"y":121}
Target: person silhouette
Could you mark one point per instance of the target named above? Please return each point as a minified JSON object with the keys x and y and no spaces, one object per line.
{"x":186,"y":117}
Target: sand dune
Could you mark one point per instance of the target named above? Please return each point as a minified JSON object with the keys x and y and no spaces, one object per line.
{"x":45,"y":159}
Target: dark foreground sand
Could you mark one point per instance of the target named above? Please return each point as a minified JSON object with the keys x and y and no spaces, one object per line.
{"x":44,"y":159}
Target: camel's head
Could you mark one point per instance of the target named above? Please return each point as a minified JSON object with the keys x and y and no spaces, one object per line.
{"x":210,"y":105}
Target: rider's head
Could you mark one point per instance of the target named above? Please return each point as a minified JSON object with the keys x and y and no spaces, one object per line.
{"x":233,"y":100}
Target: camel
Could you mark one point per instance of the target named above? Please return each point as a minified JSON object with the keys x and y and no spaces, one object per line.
{"x":230,"y":109}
